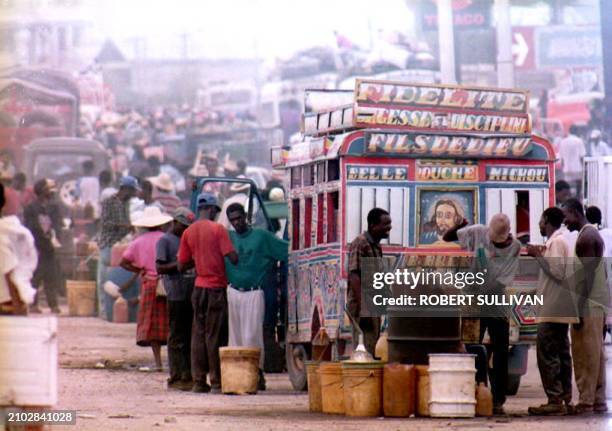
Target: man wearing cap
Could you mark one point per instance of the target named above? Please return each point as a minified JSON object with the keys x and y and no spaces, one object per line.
{"x":43,"y":218}
{"x":179,"y":288}
{"x":258,"y":250}
{"x":114,"y":225}
{"x":204,"y":245}
{"x":496,"y":254}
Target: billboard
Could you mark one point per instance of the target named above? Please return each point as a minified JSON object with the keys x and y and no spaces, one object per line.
{"x":568,"y":47}
{"x":441,"y":107}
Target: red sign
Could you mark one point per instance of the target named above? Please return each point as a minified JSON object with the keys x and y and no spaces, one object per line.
{"x":523,"y":48}
{"x":466,"y":13}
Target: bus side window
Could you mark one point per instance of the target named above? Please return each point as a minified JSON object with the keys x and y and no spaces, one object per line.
{"x":295,"y":228}
{"x":333,"y":170}
{"x":320,"y":215}
{"x":320,"y":173}
{"x":522,"y":216}
{"x":296,"y":177}
{"x":307,"y":222}
{"x":332,"y":217}
{"x":308,"y":175}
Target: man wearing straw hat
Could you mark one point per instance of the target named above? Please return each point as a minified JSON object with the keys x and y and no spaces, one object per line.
{"x":164,"y":192}
{"x":496,"y":252}
{"x":139,"y":257}
{"x":204,"y":245}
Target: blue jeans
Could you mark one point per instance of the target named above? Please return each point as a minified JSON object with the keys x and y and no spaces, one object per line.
{"x":103,"y":264}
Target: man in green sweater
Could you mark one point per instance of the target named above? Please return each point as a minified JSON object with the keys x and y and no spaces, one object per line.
{"x":258,"y":251}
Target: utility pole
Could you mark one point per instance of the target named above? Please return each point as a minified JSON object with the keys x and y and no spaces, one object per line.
{"x":446,"y":37}
{"x":184,"y":45}
{"x":505,"y":62}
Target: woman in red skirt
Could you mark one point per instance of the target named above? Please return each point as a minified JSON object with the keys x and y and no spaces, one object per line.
{"x":139,"y":257}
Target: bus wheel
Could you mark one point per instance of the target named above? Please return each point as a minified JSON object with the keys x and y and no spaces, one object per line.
{"x":296,"y":357}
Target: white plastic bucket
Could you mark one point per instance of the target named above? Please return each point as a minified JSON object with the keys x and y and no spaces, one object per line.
{"x":453,"y":385}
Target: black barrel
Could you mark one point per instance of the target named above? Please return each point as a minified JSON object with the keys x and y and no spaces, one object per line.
{"x":412,"y":339}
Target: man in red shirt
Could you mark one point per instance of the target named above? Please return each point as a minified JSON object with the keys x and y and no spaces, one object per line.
{"x":204,"y":245}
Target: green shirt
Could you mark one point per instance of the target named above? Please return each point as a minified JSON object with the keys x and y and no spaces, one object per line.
{"x":257,"y":250}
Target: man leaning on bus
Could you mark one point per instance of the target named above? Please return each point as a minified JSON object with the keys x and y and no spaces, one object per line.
{"x":366,"y":245}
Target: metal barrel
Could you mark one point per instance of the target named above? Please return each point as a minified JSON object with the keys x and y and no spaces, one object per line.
{"x":412,"y":339}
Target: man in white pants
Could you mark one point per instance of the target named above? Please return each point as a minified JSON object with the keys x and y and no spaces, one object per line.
{"x":258,"y":251}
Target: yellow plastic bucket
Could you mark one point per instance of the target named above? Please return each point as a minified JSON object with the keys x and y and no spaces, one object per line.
{"x":239,"y":369}
{"x":362,"y":388}
{"x":332,"y":394}
{"x":423,"y":390}
{"x":399,"y":390}
{"x":314,"y":386}
{"x":81,"y":297}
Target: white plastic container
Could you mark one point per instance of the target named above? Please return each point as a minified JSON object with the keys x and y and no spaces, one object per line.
{"x":28,"y":362}
{"x":453,"y":385}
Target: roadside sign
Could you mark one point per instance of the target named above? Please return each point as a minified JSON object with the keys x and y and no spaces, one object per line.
{"x":568,"y":47}
{"x":523,"y":48}
{"x":386,"y":104}
{"x":466,"y":14}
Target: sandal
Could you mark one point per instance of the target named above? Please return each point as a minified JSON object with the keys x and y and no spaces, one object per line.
{"x":583,"y":409}
{"x":600,"y":408}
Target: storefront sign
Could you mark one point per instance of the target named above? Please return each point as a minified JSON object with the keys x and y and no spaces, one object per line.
{"x":423,"y":145}
{"x":467,"y":14}
{"x":517,"y":174}
{"x":446,"y":172}
{"x":442,"y":121}
{"x":568,"y":47}
{"x":376,"y":173}
{"x":427,"y":96}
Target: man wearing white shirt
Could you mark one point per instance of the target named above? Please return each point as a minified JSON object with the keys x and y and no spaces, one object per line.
{"x":106,"y":188}
{"x":597,"y":146}
{"x":18,"y":260}
{"x":88,"y":187}
{"x":554,"y":316}
{"x":571,"y":151}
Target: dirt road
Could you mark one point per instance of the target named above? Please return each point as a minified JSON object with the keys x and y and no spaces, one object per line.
{"x":119,"y":397}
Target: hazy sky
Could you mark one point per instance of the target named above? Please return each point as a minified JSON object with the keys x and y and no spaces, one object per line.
{"x":235,"y":28}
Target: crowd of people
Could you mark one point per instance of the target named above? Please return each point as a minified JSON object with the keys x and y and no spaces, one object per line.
{"x":571,"y":151}
{"x":201,"y":286}
{"x":573,"y":282}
